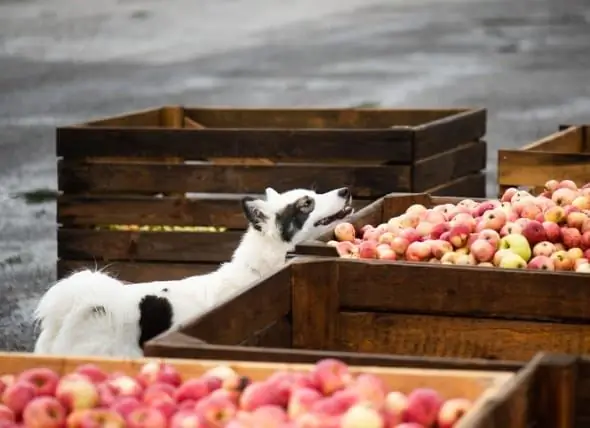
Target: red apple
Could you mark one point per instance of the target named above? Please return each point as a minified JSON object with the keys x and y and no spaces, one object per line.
{"x":43,"y":379}
{"x":77,"y":391}
{"x":153,"y":372}
{"x":44,"y":412}
{"x":18,"y":395}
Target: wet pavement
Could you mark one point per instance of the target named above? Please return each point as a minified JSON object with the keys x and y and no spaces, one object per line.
{"x":64,"y":62}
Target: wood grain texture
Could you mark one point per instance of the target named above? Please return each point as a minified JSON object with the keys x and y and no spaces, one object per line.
{"x":245,"y":314}
{"x":136,"y":272}
{"x":448,"y":132}
{"x":392,"y":145}
{"x":179,"y":345}
{"x":81,"y":244}
{"x":458,"y":337}
{"x":448,"y":166}
{"x":363,"y":181}
{"x":470,"y":186}
{"x":315,"y":304}
{"x":465,"y":291}
{"x":317,"y":118}
{"x":76,"y":211}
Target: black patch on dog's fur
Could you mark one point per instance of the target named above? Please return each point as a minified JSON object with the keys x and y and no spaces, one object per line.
{"x":254,"y":216}
{"x":155,"y":317}
{"x":293,"y":217}
{"x":164,"y":290}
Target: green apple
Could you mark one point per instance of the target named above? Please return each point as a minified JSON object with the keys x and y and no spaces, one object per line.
{"x":518,"y":244}
{"x":512,"y":261}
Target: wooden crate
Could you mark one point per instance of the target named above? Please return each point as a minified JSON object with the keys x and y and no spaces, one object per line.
{"x":564,"y":155}
{"x":416,"y":309}
{"x":138,"y":169}
{"x":486,"y":389}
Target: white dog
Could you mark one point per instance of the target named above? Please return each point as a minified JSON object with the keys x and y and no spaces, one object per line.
{"x":91,"y":313}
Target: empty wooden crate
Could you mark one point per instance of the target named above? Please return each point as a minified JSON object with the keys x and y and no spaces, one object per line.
{"x":564,"y":155}
{"x":135,"y":186}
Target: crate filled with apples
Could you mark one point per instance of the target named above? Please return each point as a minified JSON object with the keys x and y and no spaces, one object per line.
{"x":41,"y":392}
{"x":549,"y":231}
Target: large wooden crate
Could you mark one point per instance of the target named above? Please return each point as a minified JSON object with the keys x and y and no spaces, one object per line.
{"x":416,"y":309}
{"x":500,"y":399}
{"x":564,"y":155}
{"x":182,"y":167}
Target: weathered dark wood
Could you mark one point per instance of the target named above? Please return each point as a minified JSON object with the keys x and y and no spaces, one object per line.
{"x":364,"y":181}
{"x":561,"y":155}
{"x":314,"y":304}
{"x":277,"y":334}
{"x":457,"y":336}
{"x":466,"y":291}
{"x":448,"y":166}
{"x":473,"y":186}
{"x":180,"y":345}
{"x":251,"y":311}
{"x":322,"y":118}
{"x":75,"y":211}
{"x":81,"y":244}
{"x":137,"y":271}
{"x":448,"y":132}
{"x":393,"y":145}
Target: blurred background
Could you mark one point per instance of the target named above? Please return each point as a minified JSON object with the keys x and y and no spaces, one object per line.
{"x":64,"y":62}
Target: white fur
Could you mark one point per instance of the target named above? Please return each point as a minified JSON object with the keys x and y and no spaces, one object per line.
{"x":70,"y":327}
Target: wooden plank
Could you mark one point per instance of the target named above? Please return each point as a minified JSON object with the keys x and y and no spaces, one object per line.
{"x":449,"y":132}
{"x":277,"y":334}
{"x":582,"y":389}
{"x":463,"y":291}
{"x":569,"y":140}
{"x":393,"y":145}
{"x":255,"y":308}
{"x":149,"y":117}
{"x":318,"y":118}
{"x":448,"y":166}
{"x":137,"y":271}
{"x":364,"y":181}
{"x":81,"y":244}
{"x":458,"y":337}
{"x":472,"y":186}
{"x":178,"y":345}
{"x":103,"y":210}
{"x":534,"y":168}
{"x":315,"y":303}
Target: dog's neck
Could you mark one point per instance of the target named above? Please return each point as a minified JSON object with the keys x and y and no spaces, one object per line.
{"x":256,"y":257}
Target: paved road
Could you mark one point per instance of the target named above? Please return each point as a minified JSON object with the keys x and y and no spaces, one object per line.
{"x":63,"y":62}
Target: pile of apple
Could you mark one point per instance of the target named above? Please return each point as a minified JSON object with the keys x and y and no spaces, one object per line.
{"x":550,"y":232}
{"x":328,"y":396}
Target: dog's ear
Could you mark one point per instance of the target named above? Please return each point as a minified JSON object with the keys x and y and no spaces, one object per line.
{"x":271,"y":193}
{"x":255,"y":211}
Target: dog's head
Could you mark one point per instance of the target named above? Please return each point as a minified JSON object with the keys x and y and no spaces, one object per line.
{"x":297,"y":215}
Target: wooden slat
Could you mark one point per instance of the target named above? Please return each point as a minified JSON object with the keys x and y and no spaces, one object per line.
{"x":179,"y":345}
{"x":569,"y":140}
{"x":472,"y":186}
{"x":392,"y":145}
{"x":315,"y":304}
{"x":448,"y":166}
{"x":464,"y":291}
{"x":449,"y":132}
{"x":364,"y":181}
{"x":535,"y":168}
{"x":80,"y":244}
{"x":582,"y":390}
{"x":458,"y":337}
{"x":239,"y":318}
{"x":150,"y":117}
{"x":321,"y":118}
{"x":277,"y":334}
{"x":137,"y":271}
{"x":104,"y":210}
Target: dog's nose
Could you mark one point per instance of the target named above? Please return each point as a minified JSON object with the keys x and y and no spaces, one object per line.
{"x":344,"y":193}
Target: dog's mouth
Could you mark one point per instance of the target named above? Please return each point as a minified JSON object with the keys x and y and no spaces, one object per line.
{"x":347,"y":210}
